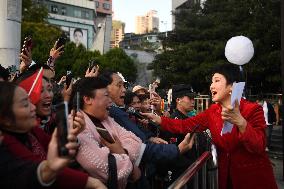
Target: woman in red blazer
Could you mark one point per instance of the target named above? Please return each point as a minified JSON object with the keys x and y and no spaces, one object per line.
{"x":29,"y":143}
{"x":242,"y":160}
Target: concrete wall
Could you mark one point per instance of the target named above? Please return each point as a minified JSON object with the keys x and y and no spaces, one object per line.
{"x":10,"y":31}
{"x":103,"y":35}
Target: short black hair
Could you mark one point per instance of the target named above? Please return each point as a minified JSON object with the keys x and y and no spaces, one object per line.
{"x":87,"y":87}
{"x":107,"y":76}
{"x":4,"y":73}
{"x":231,"y":72}
{"x":78,"y":30}
{"x":128,"y":99}
{"x":144,"y":97}
{"x":30,"y":71}
{"x":7,"y":92}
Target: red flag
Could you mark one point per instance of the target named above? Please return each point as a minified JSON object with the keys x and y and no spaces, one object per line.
{"x":33,"y":85}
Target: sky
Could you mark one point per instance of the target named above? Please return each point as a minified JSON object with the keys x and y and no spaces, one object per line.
{"x":126,"y":10}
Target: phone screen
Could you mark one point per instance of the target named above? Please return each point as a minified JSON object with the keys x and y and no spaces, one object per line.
{"x":61,"y":41}
{"x":76,"y":103}
{"x":62,"y":127}
{"x":69,"y":77}
{"x":105,"y":135}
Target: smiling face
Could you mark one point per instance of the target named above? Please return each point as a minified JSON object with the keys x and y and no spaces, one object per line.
{"x":43,"y":107}
{"x":117,"y":90}
{"x":220,"y":90}
{"x":100,"y":104}
{"x":24,"y":112}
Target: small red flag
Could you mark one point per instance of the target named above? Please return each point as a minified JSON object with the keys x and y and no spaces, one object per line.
{"x":33,"y":85}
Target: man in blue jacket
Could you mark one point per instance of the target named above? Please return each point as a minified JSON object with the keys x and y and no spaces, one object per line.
{"x":153,"y":152}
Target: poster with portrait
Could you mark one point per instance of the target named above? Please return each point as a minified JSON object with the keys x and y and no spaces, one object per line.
{"x":79,"y":36}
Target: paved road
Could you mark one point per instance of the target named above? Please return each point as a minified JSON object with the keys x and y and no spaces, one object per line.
{"x":278,"y":172}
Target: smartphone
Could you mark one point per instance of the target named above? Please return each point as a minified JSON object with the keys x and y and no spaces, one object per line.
{"x":27,"y":44}
{"x":61,"y":41}
{"x":76,"y":102}
{"x":69,"y":77}
{"x":61,"y":121}
{"x":92,"y":63}
{"x":105,"y":135}
{"x":151,"y":91}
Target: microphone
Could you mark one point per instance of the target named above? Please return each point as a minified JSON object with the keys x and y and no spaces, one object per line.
{"x":132,"y":111}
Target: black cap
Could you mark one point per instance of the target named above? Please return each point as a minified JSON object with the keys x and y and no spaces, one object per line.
{"x":182,"y":90}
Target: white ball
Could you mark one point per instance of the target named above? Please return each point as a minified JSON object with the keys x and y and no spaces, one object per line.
{"x":239,"y":50}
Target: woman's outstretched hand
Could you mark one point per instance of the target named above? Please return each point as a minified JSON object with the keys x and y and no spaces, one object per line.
{"x":155,"y":118}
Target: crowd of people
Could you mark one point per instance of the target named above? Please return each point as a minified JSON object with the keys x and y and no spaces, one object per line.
{"x":119,"y":138}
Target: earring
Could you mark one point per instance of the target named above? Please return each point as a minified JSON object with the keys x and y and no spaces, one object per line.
{"x":230,"y":92}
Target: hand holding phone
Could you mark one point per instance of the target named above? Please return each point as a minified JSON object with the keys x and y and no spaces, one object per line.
{"x":27,"y":45}
{"x":105,"y":135}
{"x":61,"y":41}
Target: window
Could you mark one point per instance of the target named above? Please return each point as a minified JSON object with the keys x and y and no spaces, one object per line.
{"x":63,"y":11}
{"x":85,"y":14}
{"x":77,"y":13}
{"x":97,"y":4}
{"x":106,"y":6}
{"x":54,"y":9}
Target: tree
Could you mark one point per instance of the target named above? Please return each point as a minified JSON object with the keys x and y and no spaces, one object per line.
{"x":198,"y":42}
{"x":116,"y":59}
{"x":74,"y":58}
{"x":33,"y":11}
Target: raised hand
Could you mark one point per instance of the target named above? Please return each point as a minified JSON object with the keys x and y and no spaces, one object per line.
{"x":94,"y":72}
{"x":26,"y":59}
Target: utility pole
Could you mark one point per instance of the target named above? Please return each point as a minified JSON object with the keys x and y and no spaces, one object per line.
{"x":10,"y":31}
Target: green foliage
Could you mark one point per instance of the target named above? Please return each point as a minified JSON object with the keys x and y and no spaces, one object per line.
{"x":33,"y":11}
{"x":116,"y":59}
{"x":198,"y":42}
{"x":43,"y":37}
{"x":74,"y":58}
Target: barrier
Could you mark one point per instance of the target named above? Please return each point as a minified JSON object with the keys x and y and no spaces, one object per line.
{"x":209,"y":176}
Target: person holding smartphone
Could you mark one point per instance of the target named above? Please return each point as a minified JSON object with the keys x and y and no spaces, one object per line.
{"x":27,"y":142}
{"x":104,"y":138}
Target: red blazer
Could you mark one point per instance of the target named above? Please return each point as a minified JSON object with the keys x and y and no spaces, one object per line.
{"x":241,"y":156}
{"x":67,"y":178}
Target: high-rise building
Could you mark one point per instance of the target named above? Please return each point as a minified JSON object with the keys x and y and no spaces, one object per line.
{"x":117,"y":33}
{"x":148,"y":23}
{"x":86,"y":22}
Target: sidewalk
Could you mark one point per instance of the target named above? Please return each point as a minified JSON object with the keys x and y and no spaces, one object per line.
{"x":278,"y":171}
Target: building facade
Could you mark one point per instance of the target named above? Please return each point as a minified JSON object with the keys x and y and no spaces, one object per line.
{"x":86,"y":22}
{"x":148,"y":23}
{"x":117,"y":33}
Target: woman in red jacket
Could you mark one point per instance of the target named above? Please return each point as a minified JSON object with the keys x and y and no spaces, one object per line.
{"x":24,"y":140}
{"x":243,"y":162}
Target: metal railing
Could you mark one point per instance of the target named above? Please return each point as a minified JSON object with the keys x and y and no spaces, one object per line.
{"x":209,"y":175}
